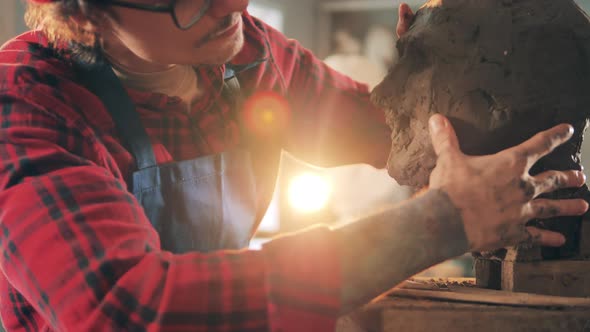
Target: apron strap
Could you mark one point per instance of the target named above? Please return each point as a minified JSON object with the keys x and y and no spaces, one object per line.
{"x":102,"y":81}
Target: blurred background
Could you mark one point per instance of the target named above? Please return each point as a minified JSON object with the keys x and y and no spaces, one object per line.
{"x":356,"y":37}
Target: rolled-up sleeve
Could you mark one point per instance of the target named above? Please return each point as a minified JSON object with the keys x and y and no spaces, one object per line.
{"x":333,"y":121}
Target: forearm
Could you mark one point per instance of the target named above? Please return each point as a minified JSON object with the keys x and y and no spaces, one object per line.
{"x":384,"y":249}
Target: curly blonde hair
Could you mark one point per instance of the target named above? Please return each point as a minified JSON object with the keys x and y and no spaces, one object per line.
{"x":56,"y":21}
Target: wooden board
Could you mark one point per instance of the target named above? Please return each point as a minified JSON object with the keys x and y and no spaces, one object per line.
{"x":486,"y":296}
{"x":488,"y":273}
{"x":417,"y":310}
{"x":561,"y":278}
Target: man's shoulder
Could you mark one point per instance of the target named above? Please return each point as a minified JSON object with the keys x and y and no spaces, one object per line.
{"x":23,"y":42}
{"x":35,"y":74}
{"x":30,"y":59}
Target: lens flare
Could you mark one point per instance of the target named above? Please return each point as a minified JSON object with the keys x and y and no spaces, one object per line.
{"x":266,"y":113}
{"x":309,"y":193}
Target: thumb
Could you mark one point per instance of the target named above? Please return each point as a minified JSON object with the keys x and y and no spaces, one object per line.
{"x":444,"y":138}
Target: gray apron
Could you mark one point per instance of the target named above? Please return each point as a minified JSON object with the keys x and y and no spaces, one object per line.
{"x":210,"y":203}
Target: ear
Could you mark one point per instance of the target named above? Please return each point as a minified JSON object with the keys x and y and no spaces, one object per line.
{"x":90,"y":18}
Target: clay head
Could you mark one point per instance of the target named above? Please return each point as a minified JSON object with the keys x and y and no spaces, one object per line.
{"x":499,"y":70}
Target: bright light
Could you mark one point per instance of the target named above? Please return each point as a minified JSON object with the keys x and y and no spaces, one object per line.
{"x":309,"y":192}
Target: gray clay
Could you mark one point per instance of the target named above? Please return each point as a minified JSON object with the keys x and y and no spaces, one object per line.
{"x":501,"y":70}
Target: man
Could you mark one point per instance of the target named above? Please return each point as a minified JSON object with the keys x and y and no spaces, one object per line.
{"x":124,"y":209}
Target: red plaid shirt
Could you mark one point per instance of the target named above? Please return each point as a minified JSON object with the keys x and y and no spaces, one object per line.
{"x":78,"y":253}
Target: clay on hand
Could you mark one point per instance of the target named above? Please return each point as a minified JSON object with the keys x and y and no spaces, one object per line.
{"x":501,"y":71}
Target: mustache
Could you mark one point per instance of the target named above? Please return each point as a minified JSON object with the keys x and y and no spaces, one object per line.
{"x":223,"y":25}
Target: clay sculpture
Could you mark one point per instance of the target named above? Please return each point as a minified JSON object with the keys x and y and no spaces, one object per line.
{"x":501,"y":71}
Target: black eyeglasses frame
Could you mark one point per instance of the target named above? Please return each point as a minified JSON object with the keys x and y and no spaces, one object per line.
{"x":165,"y":8}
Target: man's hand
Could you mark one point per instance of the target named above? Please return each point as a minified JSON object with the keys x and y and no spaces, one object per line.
{"x":496,"y":195}
{"x":406,"y":17}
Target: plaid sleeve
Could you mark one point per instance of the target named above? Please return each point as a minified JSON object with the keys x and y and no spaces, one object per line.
{"x":333,"y":120}
{"x":82,"y":256}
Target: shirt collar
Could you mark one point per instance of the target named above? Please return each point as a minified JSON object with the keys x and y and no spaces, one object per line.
{"x":256,"y":49}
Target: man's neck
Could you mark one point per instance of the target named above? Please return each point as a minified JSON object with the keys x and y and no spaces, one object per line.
{"x":122,"y":57}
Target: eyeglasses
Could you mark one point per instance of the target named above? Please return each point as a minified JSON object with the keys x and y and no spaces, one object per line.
{"x":185,"y":13}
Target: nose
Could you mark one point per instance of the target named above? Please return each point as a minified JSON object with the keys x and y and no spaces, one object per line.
{"x":223,"y":8}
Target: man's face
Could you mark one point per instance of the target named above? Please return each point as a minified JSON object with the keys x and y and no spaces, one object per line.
{"x":498,"y":80}
{"x":154,"y":37}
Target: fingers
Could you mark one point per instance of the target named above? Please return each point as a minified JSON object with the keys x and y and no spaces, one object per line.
{"x":544,"y":238}
{"x":444,"y":138}
{"x":544,"y":143}
{"x":406,"y":16}
{"x":553,"y":180}
{"x":547,"y":208}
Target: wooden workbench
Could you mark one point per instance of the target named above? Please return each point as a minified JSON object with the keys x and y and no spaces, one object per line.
{"x":461,"y":307}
